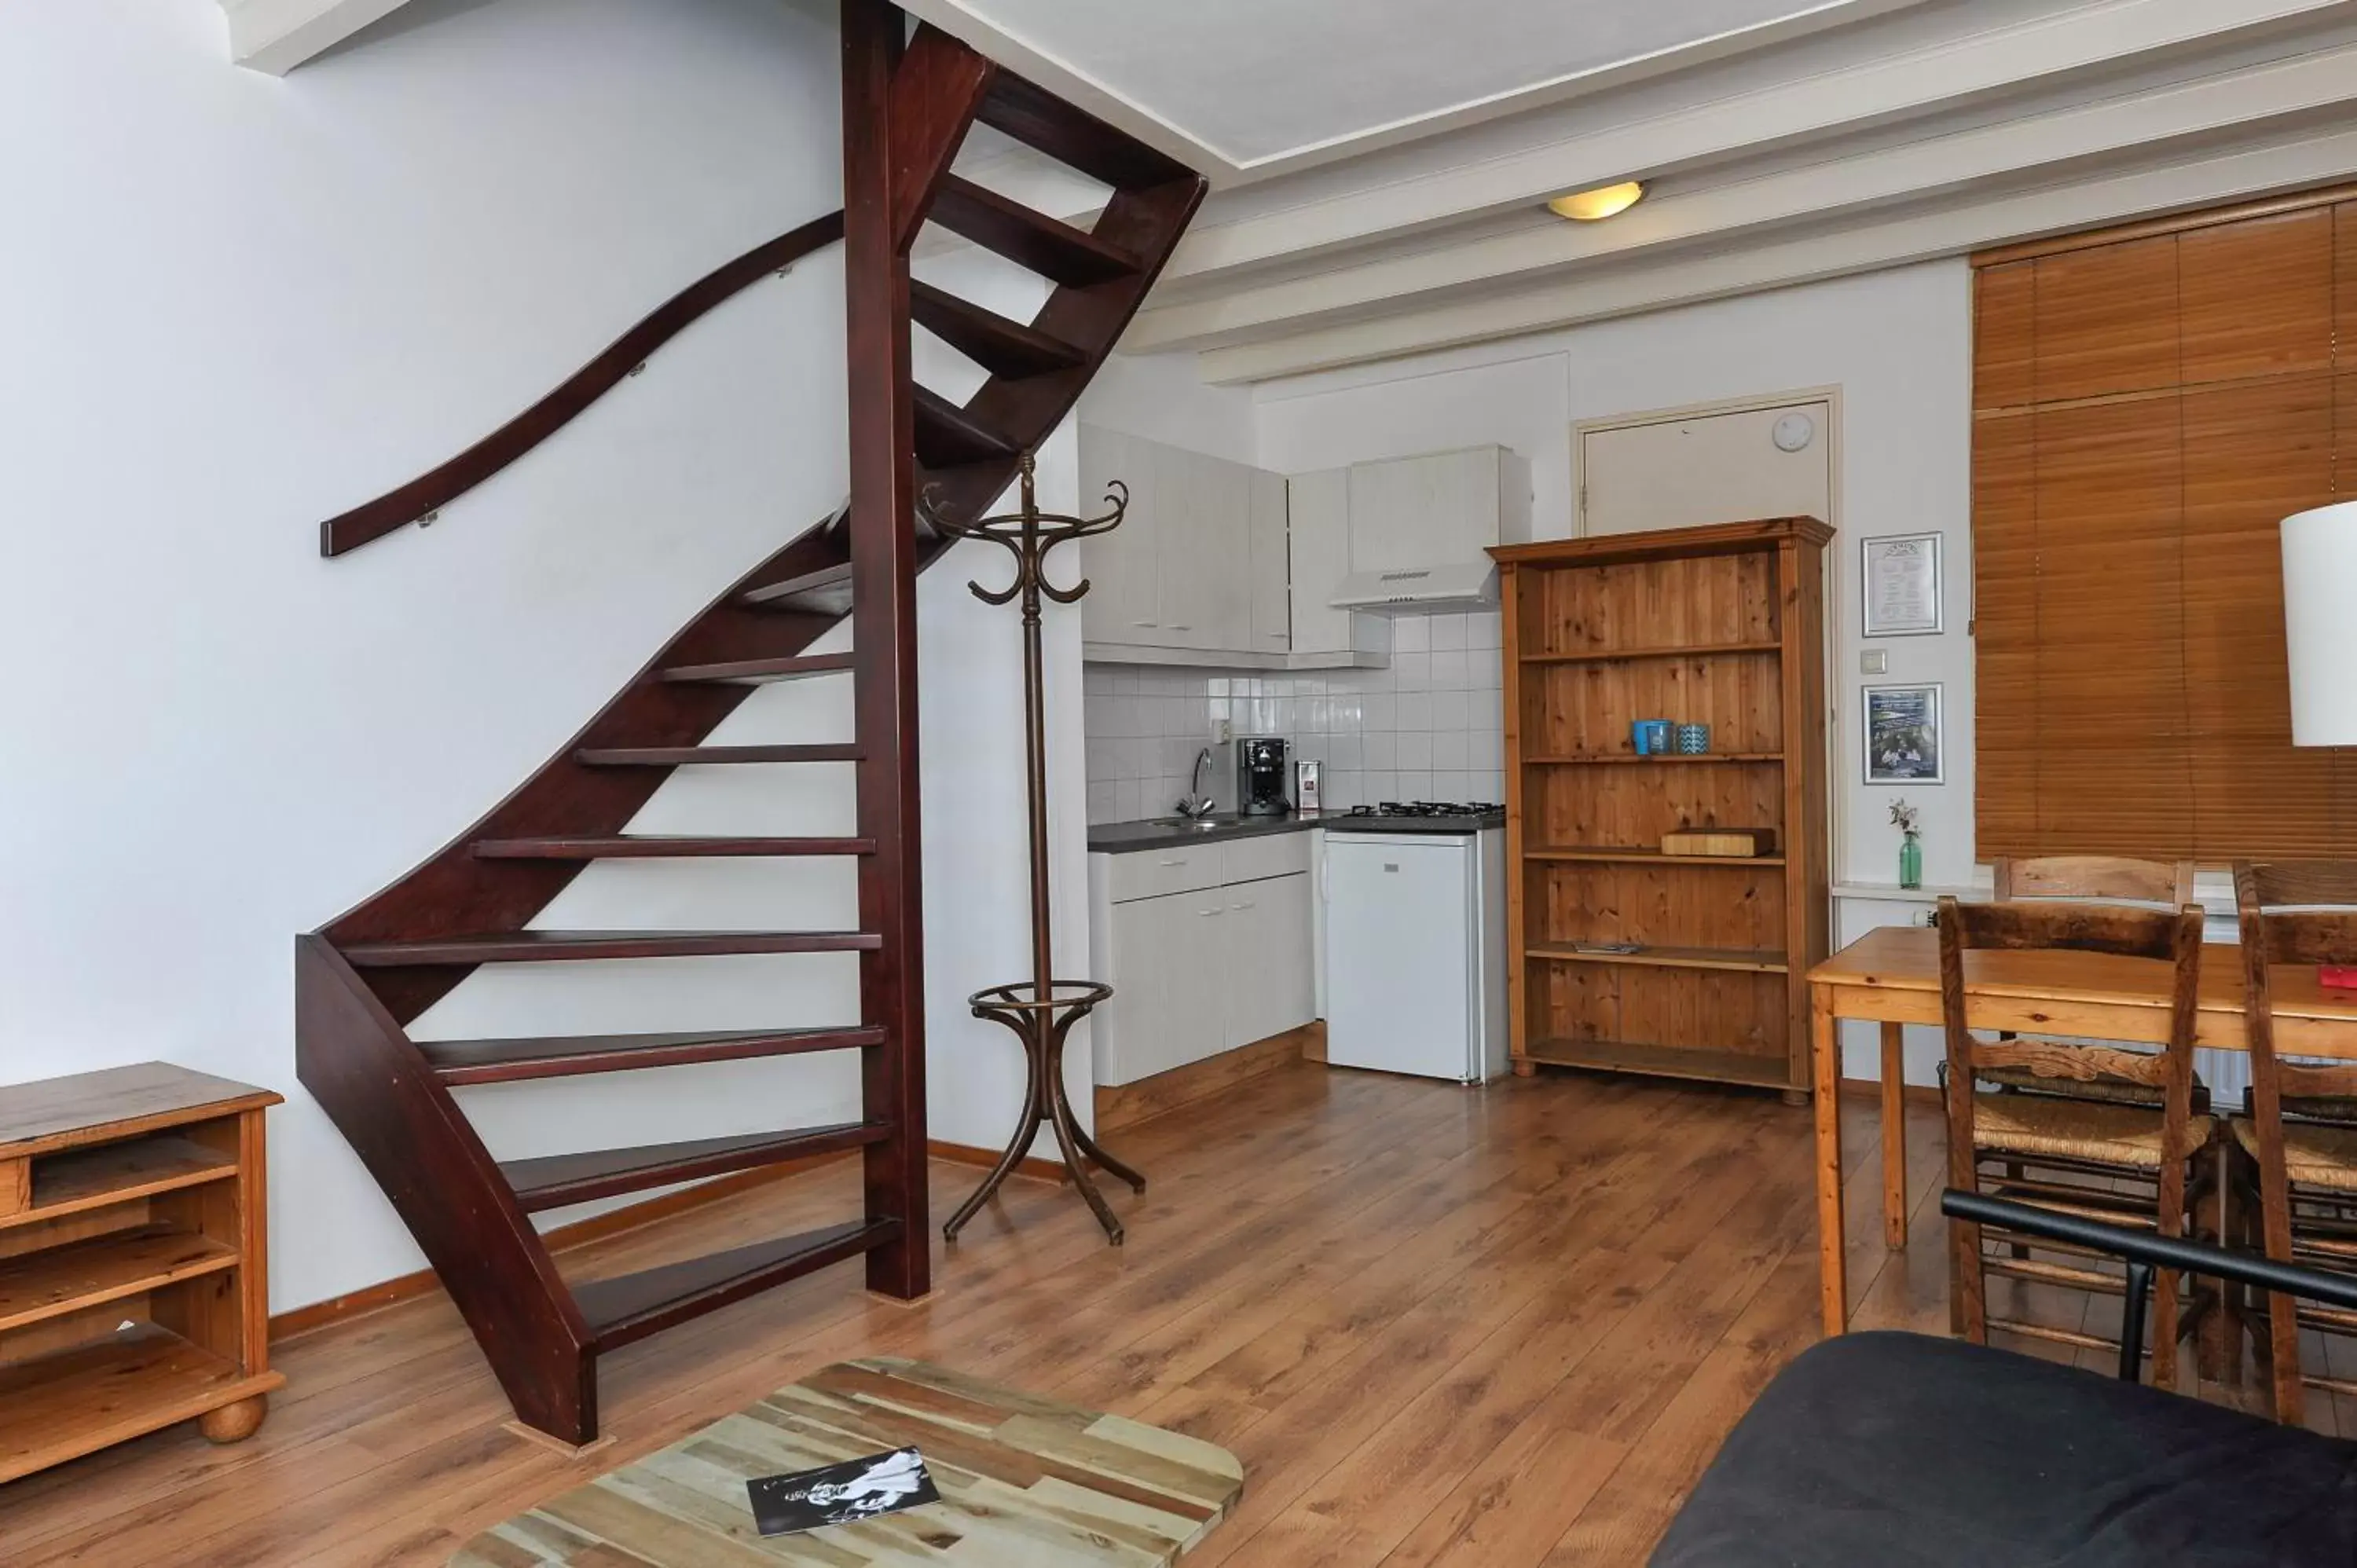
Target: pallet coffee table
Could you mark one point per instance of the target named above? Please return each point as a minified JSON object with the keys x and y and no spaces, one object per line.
{"x":1025,"y":1482}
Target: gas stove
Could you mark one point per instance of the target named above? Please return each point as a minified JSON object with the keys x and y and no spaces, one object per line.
{"x":1418,"y":817}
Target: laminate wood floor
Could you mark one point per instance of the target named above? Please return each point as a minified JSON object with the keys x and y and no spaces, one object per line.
{"x":1500,"y":1327}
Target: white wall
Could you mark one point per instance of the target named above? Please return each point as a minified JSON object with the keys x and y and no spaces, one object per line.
{"x":243,"y":304}
{"x":1159,"y":396}
{"x":1896,"y":344}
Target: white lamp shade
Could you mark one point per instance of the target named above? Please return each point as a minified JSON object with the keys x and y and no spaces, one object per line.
{"x":2319,"y":562}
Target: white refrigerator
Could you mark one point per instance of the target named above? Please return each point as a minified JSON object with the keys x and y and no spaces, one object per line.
{"x":1415,"y":953}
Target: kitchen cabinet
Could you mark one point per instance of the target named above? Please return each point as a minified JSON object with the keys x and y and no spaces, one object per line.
{"x":1318,"y":528}
{"x":1272,"y":565}
{"x":1124,"y":599}
{"x":1264,"y":959}
{"x":1208,"y":949}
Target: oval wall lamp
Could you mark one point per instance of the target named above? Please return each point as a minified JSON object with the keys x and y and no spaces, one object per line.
{"x":1604,"y":201}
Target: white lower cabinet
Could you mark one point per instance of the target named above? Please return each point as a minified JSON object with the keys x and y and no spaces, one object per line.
{"x":1199,"y":970}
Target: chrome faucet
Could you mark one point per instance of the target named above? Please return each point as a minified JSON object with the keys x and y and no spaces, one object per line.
{"x":1194,"y":803}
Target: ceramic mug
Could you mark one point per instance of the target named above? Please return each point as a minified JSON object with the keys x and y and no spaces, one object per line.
{"x":1650,"y":737}
{"x":1694,"y":740}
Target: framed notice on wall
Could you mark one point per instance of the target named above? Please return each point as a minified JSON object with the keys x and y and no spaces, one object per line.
{"x":1903,"y":742}
{"x":1901,"y":579}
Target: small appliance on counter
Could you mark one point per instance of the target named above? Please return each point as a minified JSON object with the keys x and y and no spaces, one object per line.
{"x":1415,"y":949}
{"x":1260,"y":777}
{"x":1307,"y":792}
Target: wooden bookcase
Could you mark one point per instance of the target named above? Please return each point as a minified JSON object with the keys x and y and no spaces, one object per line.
{"x":133,"y":1289}
{"x":1722,"y":625}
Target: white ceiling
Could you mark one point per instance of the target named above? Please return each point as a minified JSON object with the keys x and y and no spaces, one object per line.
{"x":1380,"y":166}
{"x":1263,"y":81}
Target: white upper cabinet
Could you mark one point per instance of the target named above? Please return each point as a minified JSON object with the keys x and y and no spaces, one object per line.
{"x":1319,"y":505}
{"x":1272,"y":573}
{"x":1122,"y":602}
{"x":1192,"y":571}
{"x":1222,"y":563}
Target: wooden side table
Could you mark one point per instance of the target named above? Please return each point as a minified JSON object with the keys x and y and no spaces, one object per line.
{"x":133,"y":1286}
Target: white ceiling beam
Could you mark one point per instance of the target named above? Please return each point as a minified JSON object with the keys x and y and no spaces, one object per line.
{"x":2232,"y":177}
{"x":2020,"y":151}
{"x":1947,"y":76}
{"x":275,"y":36}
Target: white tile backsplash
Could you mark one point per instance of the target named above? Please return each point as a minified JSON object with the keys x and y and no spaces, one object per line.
{"x":1428,"y":727}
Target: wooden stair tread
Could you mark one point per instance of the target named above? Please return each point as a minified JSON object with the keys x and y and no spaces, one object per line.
{"x":690,"y":756}
{"x":631,"y":1306}
{"x":552,"y":1181}
{"x":999,"y":345}
{"x":825,"y":591}
{"x":1030,"y":239}
{"x":947,"y":435}
{"x":92,"y":1396}
{"x":740,"y":671}
{"x":37,"y":1285}
{"x":545,"y":946}
{"x":1072,"y":136}
{"x":573,"y":1056}
{"x":634,"y":847}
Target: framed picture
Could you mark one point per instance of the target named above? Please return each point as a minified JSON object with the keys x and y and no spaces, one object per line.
{"x":1903,"y":742}
{"x":1901,"y":584}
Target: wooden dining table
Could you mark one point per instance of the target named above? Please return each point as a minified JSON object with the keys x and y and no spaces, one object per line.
{"x":1892,"y":976}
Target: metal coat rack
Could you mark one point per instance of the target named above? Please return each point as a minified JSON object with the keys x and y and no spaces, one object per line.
{"x":1041,"y":1010}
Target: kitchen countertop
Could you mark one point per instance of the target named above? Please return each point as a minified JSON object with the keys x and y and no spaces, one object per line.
{"x":1163,"y":833}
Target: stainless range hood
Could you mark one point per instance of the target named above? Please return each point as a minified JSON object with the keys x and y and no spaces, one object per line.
{"x":1416,"y":590}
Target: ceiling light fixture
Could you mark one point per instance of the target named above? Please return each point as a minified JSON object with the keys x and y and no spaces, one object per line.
{"x":1587,"y":206}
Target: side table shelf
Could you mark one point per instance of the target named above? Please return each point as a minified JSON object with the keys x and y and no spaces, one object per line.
{"x":134,"y":1268}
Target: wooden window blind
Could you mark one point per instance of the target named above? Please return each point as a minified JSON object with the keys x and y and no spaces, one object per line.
{"x":2148,"y":404}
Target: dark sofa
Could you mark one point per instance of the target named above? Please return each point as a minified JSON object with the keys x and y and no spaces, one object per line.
{"x":1883,"y":1450}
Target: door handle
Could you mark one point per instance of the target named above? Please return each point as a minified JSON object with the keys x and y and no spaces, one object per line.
{"x":1207,"y":914}
{"x":1244,"y":906}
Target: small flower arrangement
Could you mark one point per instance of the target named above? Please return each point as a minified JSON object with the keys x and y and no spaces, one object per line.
{"x":1905,"y":817}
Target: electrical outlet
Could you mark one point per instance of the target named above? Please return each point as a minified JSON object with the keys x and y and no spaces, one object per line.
{"x":1223,"y":732}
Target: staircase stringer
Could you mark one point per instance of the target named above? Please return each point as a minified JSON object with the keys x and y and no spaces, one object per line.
{"x":430,"y":1161}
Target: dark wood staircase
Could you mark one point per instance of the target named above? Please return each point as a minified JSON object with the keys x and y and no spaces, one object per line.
{"x":908,"y":102}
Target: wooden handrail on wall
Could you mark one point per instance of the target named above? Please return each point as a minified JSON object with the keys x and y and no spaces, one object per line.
{"x":417,"y":500}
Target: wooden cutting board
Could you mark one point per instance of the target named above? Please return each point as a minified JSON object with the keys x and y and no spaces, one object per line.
{"x":1024,"y":1483}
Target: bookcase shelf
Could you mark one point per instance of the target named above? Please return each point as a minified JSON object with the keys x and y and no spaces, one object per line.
{"x":1673,"y":758}
{"x":1641,"y":857}
{"x":1722,"y":625}
{"x":1621,"y":655}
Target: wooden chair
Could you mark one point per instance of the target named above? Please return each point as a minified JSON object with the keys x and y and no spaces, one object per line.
{"x":2299,"y":1133}
{"x":2104,"y":878}
{"x":2064,"y":1136}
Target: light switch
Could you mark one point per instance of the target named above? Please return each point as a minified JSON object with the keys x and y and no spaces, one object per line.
{"x":1223,"y":732}
{"x":1873,"y":661}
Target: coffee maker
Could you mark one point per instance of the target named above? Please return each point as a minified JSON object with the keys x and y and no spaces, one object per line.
{"x":1260,"y":777}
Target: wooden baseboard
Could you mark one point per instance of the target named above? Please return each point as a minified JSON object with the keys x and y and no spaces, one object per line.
{"x":967,"y":1154}
{"x":1131,"y":1104}
{"x":614,"y":1223}
{"x":1921,"y":1093}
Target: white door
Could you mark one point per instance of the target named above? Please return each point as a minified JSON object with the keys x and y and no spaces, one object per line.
{"x":1318,"y":509}
{"x":1398,"y":925}
{"x":1121,"y":605}
{"x":1272,"y":610}
{"x":1719,"y":467}
{"x":1268,"y":977}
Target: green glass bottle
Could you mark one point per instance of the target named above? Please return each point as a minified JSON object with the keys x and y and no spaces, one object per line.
{"x":1911,"y":860}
